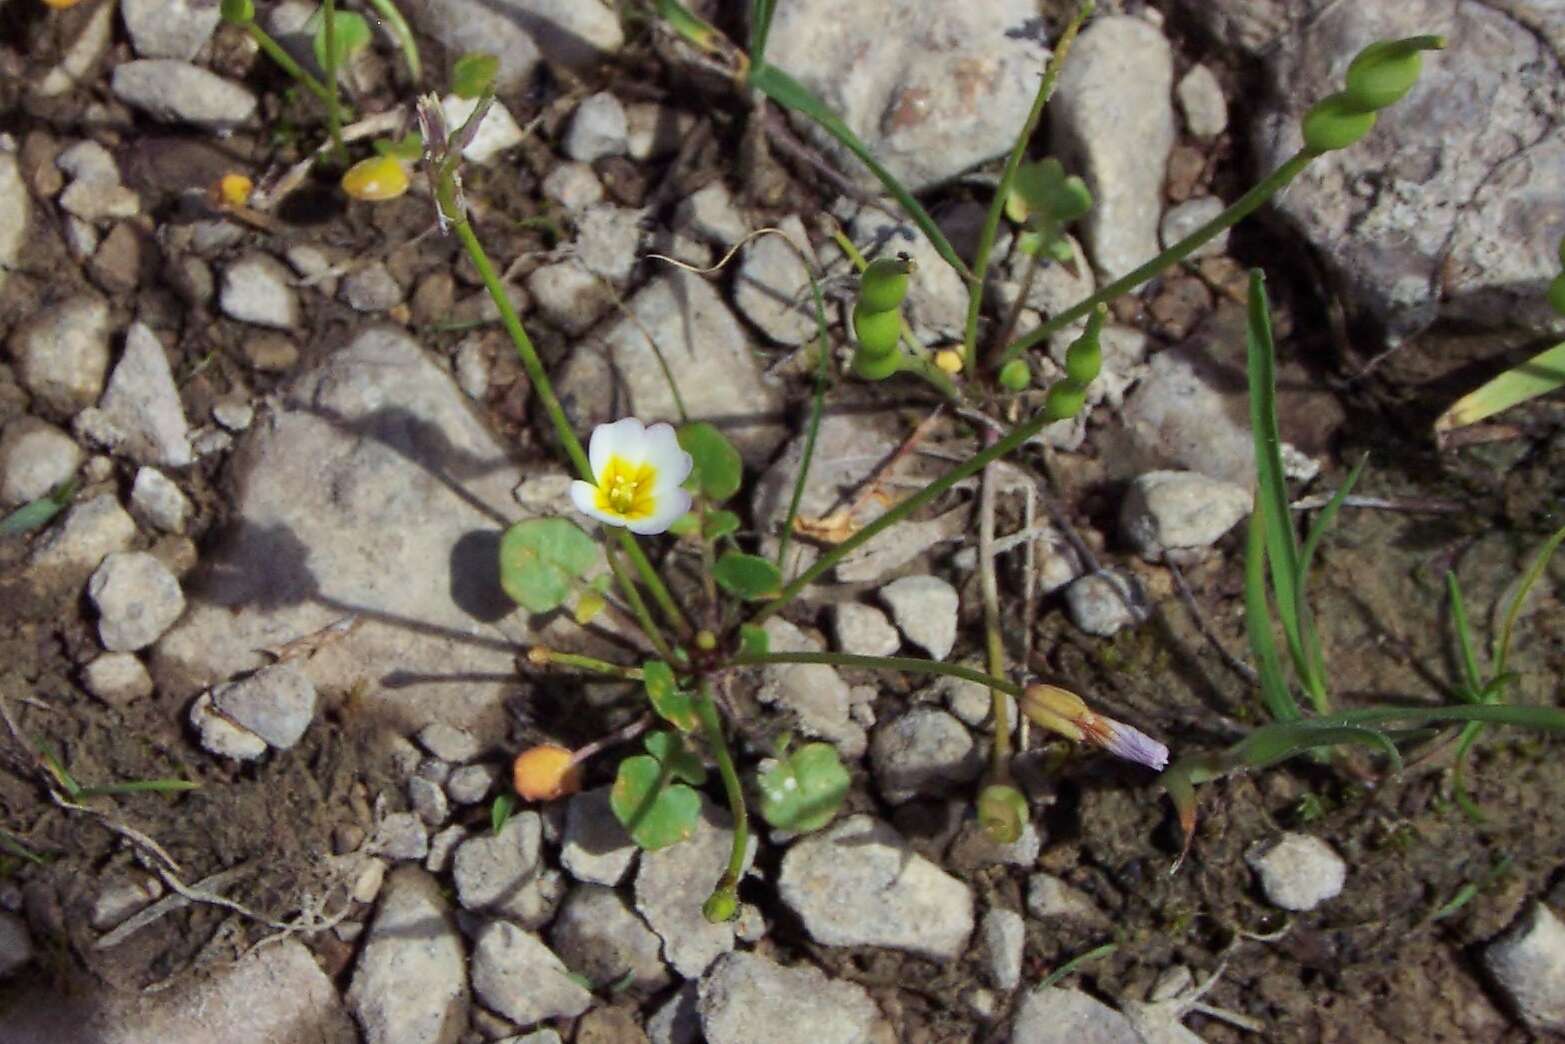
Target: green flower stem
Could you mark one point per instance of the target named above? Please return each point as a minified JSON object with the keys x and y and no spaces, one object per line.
{"x":333,"y":111}
{"x":712,"y":726}
{"x":638,"y":606}
{"x":907,"y":664}
{"x":446,"y":200}
{"x":543,"y":656}
{"x":994,"y":644}
{"x":1241,"y":208}
{"x":404,"y":34}
{"x":903,"y":509}
{"x":991,"y":227}
{"x":273,"y":50}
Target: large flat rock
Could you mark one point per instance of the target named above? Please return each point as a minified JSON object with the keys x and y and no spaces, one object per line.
{"x":372,"y":490}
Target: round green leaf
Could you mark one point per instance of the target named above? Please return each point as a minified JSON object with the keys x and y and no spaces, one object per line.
{"x":747,"y":576}
{"x":720,"y":524}
{"x":805,"y":789}
{"x":678,"y":760}
{"x":540,"y":557}
{"x":351,"y":35}
{"x":672,"y":705}
{"x":753,"y":640}
{"x":472,"y":74}
{"x":717,"y":469}
{"x":655,"y":815}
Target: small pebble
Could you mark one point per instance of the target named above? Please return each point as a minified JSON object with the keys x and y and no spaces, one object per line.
{"x":597,"y":129}
{"x":1297,"y":871}
{"x":137,"y":599}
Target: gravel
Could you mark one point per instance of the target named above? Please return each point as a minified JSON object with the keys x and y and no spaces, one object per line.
{"x":177,"y":92}
{"x":35,"y":456}
{"x":169,"y":28}
{"x":258,"y":289}
{"x":595,"y":847}
{"x":923,"y":750}
{"x":515,"y":974}
{"x":924,"y":608}
{"x":1052,"y":1015}
{"x":1527,"y":962}
{"x":1168,"y":510}
{"x":62,"y":353}
{"x":117,"y":678}
{"x":92,"y":530}
{"x":747,"y":997}
{"x":671,"y":885}
{"x":1001,"y":936}
{"x":1201,"y":100}
{"x":276,"y":703}
{"x":1297,"y":871}
{"x":504,"y":874}
{"x":863,"y":630}
{"x":859,"y":884}
{"x":597,"y":129}
{"x":1103,"y":603}
{"x":601,"y":938}
{"x":1112,"y":122}
{"x":409,"y":984}
{"x":137,"y":599}
{"x":142,"y":401}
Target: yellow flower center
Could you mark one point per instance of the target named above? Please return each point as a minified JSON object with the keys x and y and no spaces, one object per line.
{"x":625,"y":488}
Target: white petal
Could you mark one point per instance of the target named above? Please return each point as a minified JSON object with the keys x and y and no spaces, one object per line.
{"x":670,"y":505}
{"x":624,"y":438}
{"x":585,"y":496}
{"x":663,"y":452}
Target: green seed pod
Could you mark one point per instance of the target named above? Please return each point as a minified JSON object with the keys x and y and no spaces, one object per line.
{"x":1065,"y":399}
{"x":1015,"y":375}
{"x":1556,"y":294}
{"x":721,"y":906}
{"x":1335,"y":122}
{"x":1002,"y":812}
{"x":876,"y":367}
{"x":877,"y":332}
{"x":884,"y":283}
{"x":239,"y":12}
{"x":1386,"y":70}
{"x":1084,"y":357}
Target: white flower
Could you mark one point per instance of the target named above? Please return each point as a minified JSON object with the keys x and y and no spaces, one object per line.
{"x":636,"y":473}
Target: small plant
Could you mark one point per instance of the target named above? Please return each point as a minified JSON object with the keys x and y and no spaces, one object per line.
{"x":642,"y":480}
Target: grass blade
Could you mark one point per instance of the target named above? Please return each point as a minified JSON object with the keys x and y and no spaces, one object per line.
{"x":1282,"y":550}
{"x":38,"y":512}
{"x":817,"y":407}
{"x":1537,"y":376}
{"x":791,"y":94}
{"x":1096,"y":953}
{"x":1464,"y":640}
{"x":760,"y":28}
{"x":1275,"y":693}
{"x":398,"y":27}
{"x":1540,"y":562}
{"x":1315,"y":662}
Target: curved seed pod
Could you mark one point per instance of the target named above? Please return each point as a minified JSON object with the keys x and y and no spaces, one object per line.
{"x":876,"y":367}
{"x":1386,"y":70}
{"x":1002,"y":812}
{"x":1015,"y":375}
{"x":1556,"y":294}
{"x":1084,"y":357}
{"x":1065,"y":399}
{"x":239,"y":12}
{"x":877,"y":332}
{"x":375,"y":179}
{"x":1335,"y":122}
{"x":884,"y":283}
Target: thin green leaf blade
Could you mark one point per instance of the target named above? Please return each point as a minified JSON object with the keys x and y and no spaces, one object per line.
{"x":1543,"y":373}
{"x":791,"y":94}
